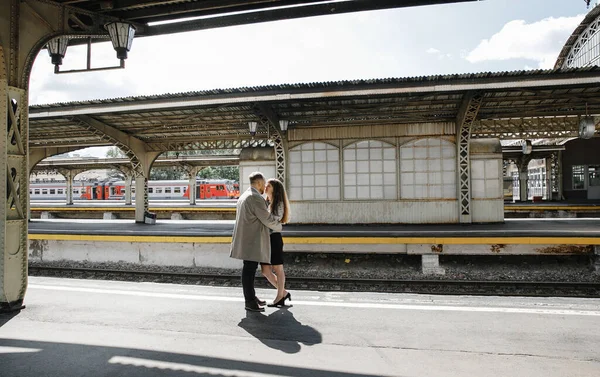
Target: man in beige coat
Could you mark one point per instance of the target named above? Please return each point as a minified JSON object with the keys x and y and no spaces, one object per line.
{"x":251,"y":241}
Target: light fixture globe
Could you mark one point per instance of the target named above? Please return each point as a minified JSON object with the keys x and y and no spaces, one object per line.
{"x":527,"y":147}
{"x":283,"y":124}
{"x":121,"y":36}
{"x":57,"y":48}
{"x":252,"y":126}
{"x":587,"y":127}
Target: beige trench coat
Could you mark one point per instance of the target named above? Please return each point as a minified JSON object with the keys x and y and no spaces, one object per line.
{"x":251,"y":239}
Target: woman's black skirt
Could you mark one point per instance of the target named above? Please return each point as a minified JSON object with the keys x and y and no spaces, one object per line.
{"x":276,"y":249}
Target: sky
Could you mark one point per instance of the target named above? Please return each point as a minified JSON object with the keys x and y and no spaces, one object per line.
{"x":482,"y":36}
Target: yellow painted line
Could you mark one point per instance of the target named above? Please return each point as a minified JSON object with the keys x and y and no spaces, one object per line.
{"x":334,"y":240}
{"x":193,"y":209}
{"x":110,"y":238}
{"x":552,"y":208}
{"x":129,"y":209}
{"x":80,"y":209}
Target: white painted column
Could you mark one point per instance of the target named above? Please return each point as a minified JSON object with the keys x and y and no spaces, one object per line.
{"x":192,"y":173}
{"x":128,"y":179}
{"x":69,"y":192}
{"x":141,"y":198}
{"x":548,"y":179}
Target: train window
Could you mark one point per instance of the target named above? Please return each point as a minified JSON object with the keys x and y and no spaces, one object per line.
{"x":75,"y":191}
{"x":52,"y":192}
{"x":167,"y":190}
{"x":44,"y":192}
{"x":150,"y":190}
{"x":159,"y":191}
{"x":184,"y":190}
{"x":133,"y":190}
{"x":37,"y":191}
{"x":60,"y":192}
{"x":177,"y":190}
{"x":30,"y":191}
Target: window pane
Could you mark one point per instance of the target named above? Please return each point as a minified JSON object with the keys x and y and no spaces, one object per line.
{"x":316,"y":165}
{"x":320,"y":155}
{"x":362,"y":192}
{"x":376,"y":192}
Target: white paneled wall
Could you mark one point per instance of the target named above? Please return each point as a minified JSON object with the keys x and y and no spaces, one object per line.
{"x":370,"y":171}
{"x":428,"y":169}
{"x":484,"y":179}
{"x":267,"y":168}
{"x":314,"y":170}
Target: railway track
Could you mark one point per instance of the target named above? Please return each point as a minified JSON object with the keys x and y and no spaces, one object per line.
{"x":438,"y":286}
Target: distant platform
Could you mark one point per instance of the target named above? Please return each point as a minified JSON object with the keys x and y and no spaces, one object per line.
{"x":206,"y":244}
{"x":573,"y":209}
{"x":575,"y":230}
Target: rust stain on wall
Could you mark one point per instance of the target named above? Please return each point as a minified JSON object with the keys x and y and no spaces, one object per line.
{"x":437,"y":248}
{"x":565,"y":249}
{"x":37,"y":248}
{"x":497,"y":248}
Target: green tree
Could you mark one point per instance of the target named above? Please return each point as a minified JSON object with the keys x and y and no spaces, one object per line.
{"x":114,"y":152}
{"x":220,"y":172}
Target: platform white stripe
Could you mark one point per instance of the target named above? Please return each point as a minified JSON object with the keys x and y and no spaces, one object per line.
{"x":361,"y":305}
{"x":147,"y":363}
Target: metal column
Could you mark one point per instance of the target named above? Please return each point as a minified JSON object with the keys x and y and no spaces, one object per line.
{"x":15,"y":174}
{"x":128,"y":180}
{"x":192,"y":173}
{"x":466,"y":117}
{"x":548,"y":180}
{"x":69,"y":190}
{"x":141,"y":198}
{"x":523,"y":166}
{"x":69,"y":175}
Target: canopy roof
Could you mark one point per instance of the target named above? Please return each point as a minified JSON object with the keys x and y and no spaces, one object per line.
{"x":516,"y":105}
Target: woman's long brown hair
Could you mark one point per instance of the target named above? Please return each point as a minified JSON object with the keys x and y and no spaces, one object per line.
{"x":279,"y":196}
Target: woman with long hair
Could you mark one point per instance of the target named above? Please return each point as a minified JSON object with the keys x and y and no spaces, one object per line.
{"x":280,"y":208}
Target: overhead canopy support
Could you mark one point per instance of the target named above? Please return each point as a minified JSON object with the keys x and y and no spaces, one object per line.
{"x":135,"y":150}
{"x":464,"y":123}
{"x":270,"y":120}
{"x":36,"y":155}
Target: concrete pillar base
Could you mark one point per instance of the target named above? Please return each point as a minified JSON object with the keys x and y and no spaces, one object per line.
{"x":11,"y":307}
{"x":430,"y":265}
{"x":109,"y":216}
{"x":596,"y":260}
{"x":177,"y":216}
{"x":46,"y":215}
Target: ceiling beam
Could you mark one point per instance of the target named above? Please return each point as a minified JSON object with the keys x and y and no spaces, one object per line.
{"x":329,"y":8}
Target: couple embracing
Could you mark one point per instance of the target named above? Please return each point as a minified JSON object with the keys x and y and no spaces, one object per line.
{"x":257,"y":238}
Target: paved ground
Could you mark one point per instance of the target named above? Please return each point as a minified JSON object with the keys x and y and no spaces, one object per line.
{"x":101,"y":328}
{"x":510,"y":228}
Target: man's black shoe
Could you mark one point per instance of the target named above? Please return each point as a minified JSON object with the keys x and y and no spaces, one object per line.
{"x":259,"y":301}
{"x":252,"y":306}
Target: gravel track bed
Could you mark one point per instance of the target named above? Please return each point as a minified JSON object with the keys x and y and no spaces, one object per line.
{"x":377,"y":273}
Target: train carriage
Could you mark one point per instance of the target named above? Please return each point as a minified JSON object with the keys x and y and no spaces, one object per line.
{"x":157,"y":190}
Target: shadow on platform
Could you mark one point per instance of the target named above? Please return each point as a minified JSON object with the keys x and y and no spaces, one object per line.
{"x":5,"y":317}
{"x":48,"y":359}
{"x":280,"y":330}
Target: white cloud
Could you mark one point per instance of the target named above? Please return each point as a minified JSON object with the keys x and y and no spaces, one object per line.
{"x":539,"y":41}
{"x":432,"y":50}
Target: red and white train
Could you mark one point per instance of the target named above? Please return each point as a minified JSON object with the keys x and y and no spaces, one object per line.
{"x":115,"y":190}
